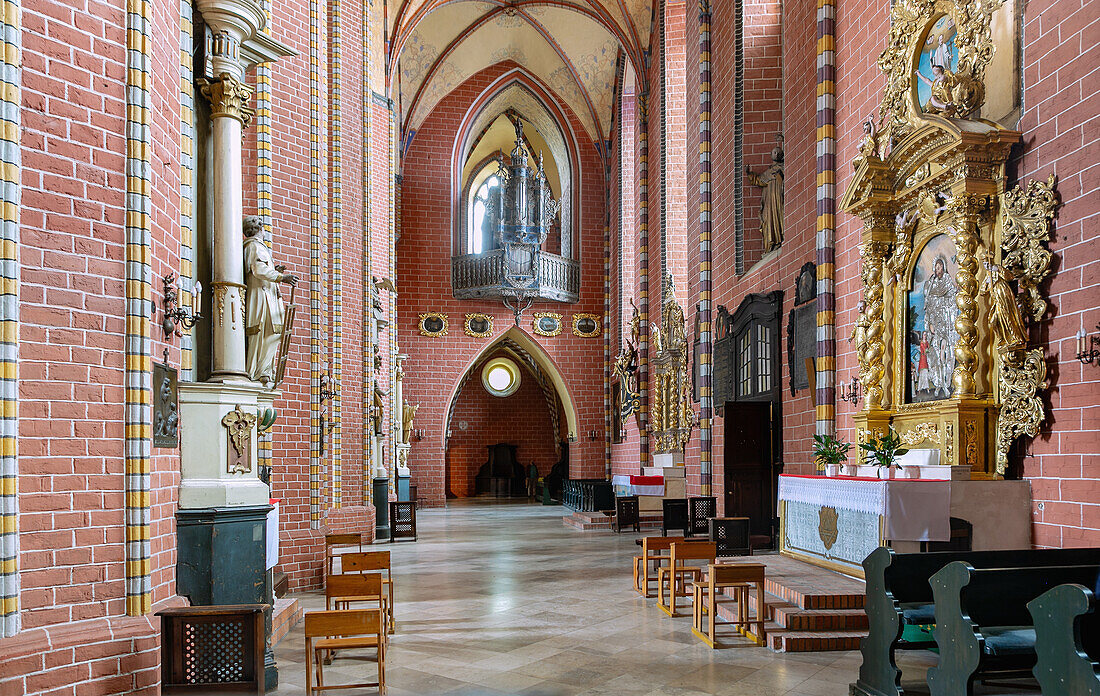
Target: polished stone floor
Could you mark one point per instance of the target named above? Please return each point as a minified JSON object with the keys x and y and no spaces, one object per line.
{"x":501,"y":598}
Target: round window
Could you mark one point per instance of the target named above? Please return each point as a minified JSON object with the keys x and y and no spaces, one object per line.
{"x":500,"y":377}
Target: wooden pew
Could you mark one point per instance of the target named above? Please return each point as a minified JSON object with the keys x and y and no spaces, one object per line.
{"x":982,"y":623}
{"x":654,"y":550}
{"x":898,"y":594}
{"x":1067,"y":640}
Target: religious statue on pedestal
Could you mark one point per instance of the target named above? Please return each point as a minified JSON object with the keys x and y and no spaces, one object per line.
{"x":771,"y":202}
{"x":265,"y":312}
{"x":408,"y":412}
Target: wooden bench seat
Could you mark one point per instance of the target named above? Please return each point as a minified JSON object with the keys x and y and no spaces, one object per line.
{"x":983,"y":626}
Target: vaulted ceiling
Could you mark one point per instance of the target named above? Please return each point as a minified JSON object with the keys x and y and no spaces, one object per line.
{"x":571,"y":46}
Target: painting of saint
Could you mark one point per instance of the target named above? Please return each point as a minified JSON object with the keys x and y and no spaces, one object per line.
{"x":937,"y":62}
{"x":931,"y":329}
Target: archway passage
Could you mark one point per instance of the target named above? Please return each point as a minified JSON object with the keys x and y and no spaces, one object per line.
{"x":530,"y":418}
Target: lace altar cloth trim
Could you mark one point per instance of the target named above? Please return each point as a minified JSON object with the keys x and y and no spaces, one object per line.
{"x":866,"y":495}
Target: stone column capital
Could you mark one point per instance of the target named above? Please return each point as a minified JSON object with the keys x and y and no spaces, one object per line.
{"x":229,"y":98}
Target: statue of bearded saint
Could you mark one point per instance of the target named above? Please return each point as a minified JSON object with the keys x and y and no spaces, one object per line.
{"x":265,"y":310}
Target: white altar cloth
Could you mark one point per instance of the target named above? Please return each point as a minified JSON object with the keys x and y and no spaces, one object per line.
{"x":912,"y":509}
{"x":638,"y":485}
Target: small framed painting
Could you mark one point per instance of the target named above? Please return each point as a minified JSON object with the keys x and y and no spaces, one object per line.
{"x":478,"y":325}
{"x":586,"y":325}
{"x":433,"y":324}
{"x":547,"y":323}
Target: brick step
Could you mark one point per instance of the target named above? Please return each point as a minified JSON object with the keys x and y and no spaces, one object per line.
{"x":285,"y":615}
{"x":812,"y":599}
{"x":814,"y":641}
{"x":597,"y":521}
{"x":792,"y":618}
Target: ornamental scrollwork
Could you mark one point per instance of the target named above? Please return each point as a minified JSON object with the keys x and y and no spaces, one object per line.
{"x":239,"y":424}
{"x":1022,"y":376}
{"x":229,"y":97}
{"x":922,"y":432}
{"x":1026,"y":217}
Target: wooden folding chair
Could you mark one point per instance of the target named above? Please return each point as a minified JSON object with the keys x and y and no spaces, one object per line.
{"x":654,"y":550}
{"x":328,"y":631}
{"x":675,"y":575}
{"x":333,"y":540}
{"x":370,"y":561}
{"x":736,"y":576}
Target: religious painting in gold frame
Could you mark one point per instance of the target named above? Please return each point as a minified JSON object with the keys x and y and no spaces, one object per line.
{"x":546,"y":323}
{"x":433,"y":324}
{"x":586,"y":325}
{"x":930,"y":334}
{"x":478,"y":325}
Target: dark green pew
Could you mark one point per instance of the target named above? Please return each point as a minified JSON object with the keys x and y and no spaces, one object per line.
{"x":983,"y":627}
{"x":898,"y":595}
{"x":1067,"y":641}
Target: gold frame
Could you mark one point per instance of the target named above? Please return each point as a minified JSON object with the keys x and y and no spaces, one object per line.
{"x":540,"y":315}
{"x":478,"y":315}
{"x":433,"y":315}
{"x":943,"y":172}
{"x":594,"y":317}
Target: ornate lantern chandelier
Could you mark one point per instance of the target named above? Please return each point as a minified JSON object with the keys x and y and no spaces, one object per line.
{"x":525,"y":214}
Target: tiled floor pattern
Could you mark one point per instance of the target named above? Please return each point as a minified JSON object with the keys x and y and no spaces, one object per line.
{"x":503,"y":599}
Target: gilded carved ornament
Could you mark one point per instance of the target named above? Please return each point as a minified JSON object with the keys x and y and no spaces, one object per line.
{"x":239,"y":423}
{"x":1026,"y":218}
{"x":673,"y":416}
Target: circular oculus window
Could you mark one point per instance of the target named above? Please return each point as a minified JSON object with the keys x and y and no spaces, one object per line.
{"x":500,"y":377}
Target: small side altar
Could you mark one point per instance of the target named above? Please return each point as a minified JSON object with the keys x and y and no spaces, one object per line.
{"x":834,"y":522}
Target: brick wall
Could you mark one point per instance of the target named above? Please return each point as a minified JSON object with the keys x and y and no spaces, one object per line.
{"x":436,"y":365}
{"x":521,"y":419}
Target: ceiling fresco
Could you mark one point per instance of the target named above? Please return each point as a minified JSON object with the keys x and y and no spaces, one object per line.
{"x":571,"y":46}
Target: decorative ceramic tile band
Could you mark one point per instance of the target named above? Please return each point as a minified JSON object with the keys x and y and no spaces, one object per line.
{"x":706,"y":348}
{"x":643,"y":281}
{"x":316,"y":258}
{"x":336,"y":201}
{"x":826,"y":217}
{"x":9,"y":320}
{"x":139,"y":362}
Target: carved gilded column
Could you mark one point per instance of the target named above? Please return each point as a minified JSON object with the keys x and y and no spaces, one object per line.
{"x":872,"y":356}
{"x":966,"y":209}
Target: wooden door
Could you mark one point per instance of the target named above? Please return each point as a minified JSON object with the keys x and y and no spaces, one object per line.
{"x":748,"y":458}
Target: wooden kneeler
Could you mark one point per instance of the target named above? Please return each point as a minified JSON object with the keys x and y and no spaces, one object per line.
{"x":369,"y":561}
{"x":327,"y":631}
{"x":740,"y":577}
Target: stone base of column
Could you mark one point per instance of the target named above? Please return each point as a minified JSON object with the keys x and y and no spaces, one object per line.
{"x":212,"y":472}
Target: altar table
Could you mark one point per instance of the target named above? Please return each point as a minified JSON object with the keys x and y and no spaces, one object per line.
{"x":835,"y":522}
{"x":638,"y":485}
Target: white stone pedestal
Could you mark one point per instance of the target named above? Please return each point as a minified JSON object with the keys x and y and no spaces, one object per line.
{"x":205,"y":477}
{"x":667,"y":459}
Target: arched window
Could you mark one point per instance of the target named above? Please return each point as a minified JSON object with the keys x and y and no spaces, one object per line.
{"x":480,"y":220}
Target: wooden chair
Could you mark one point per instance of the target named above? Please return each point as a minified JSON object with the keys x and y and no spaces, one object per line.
{"x":328,"y":631}
{"x":700,"y":510}
{"x":654,"y":550}
{"x":373,"y":561}
{"x":219,"y":648}
{"x":674,"y":515}
{"x":675,"y":575}
{"x":731,"y":534}
{"x":626,"y":513}
{"x":402,"y":520}
{"x":334,"y":540}
{"x":344,"y":588}
{"x":736,"y":576}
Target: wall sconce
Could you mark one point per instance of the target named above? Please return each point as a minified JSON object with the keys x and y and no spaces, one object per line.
{"x":1088,"y":347}
{"x":418,"y":434}
{"x":593,"y":435}
{"x":326,"y":391}
{"x":176,"y":315}
{"x":850,"y":392}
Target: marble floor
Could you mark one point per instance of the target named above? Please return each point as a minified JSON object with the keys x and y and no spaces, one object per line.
{"x":501,"y":598}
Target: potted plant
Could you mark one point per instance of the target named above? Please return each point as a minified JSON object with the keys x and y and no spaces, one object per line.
{"x":831,"y":452}
{"x":883,"y":452}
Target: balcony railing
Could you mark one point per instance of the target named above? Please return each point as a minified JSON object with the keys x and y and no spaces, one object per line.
{"x":477,"y":276}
